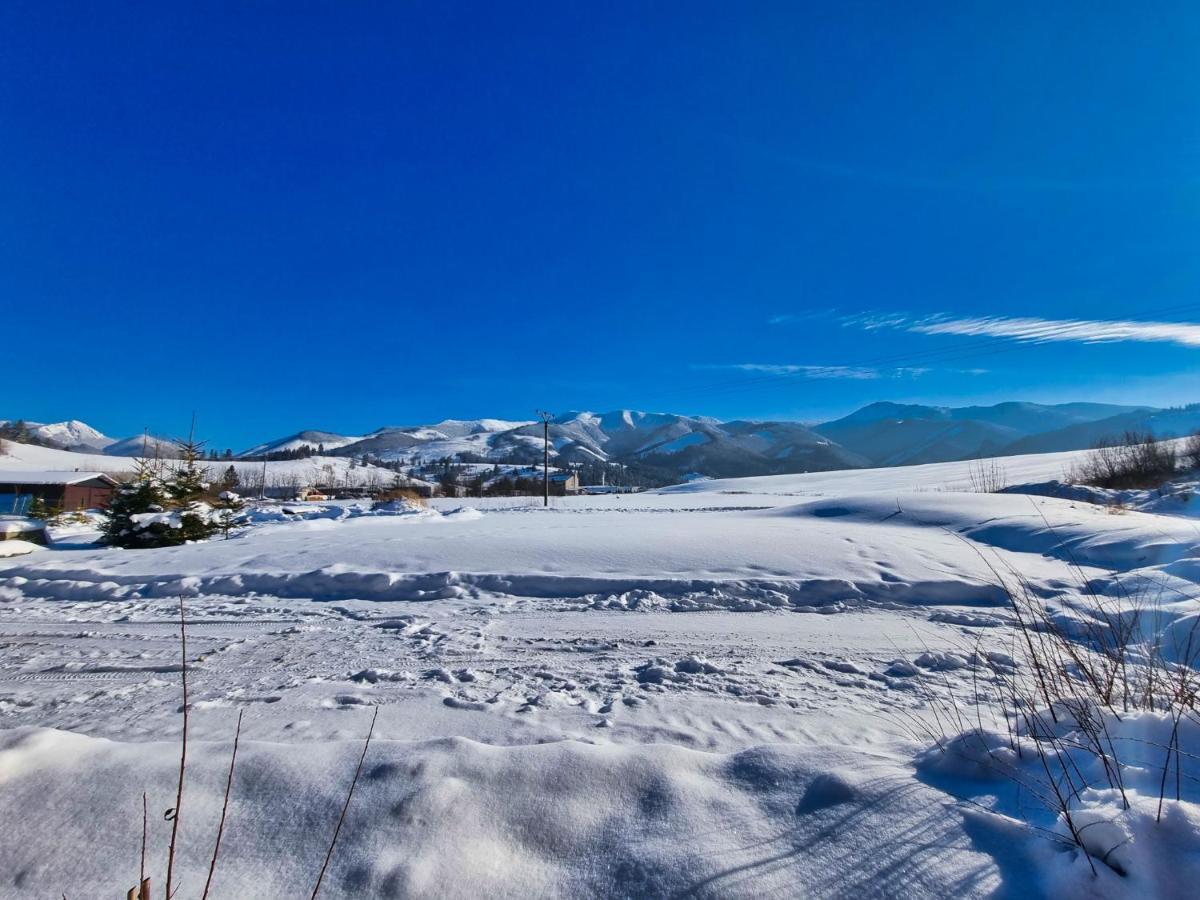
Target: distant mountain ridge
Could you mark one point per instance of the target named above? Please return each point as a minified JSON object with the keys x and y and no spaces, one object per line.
{"x":894,"y":434}
{"x":674,"y":446}
{"x":1175,"y":422}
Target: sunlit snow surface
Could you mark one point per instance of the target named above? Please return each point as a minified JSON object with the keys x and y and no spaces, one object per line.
{"x":703,"y":691}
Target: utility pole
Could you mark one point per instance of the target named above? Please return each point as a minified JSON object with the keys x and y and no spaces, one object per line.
{"x":545,"y":417}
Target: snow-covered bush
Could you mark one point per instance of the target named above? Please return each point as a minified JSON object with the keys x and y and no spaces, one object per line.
{"x":228,"y":511}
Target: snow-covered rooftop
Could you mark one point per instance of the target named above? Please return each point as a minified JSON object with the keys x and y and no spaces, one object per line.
{"x":50,"y":477}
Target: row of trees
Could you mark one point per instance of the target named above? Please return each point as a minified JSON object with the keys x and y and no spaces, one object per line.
{"x":304,"y":451}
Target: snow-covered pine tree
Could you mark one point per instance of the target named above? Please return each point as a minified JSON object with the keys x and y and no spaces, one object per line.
{"x":187,"y":483}
{"x":157,"y":510}
{"x":186,"y":487}
{"x":129,"y":518}
{"x":228,"y":507}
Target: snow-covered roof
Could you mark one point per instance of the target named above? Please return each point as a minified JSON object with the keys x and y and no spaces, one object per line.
{"x":46,"y":477}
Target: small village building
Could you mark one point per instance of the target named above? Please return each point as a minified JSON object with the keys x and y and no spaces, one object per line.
{"x":67,"y":491}
{"x":416,"y":485}
{"x":563,"y":484}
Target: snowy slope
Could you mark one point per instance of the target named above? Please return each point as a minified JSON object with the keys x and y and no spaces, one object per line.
{"x":73,"y":435}
{"x":309,"y":438}
{"x":69,"y":435}
{"x":312,"y":470}
{"x":457,"y":819}
{"x":143,"y":444}
{"x":945,"y":476}
{"x":739,"y":556}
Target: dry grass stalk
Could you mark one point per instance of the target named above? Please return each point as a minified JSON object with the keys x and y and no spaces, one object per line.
{"x":212,"y":865}
{"x":174,"y":813}
{"x":1079,"y":675}
{"x":345,"y":806}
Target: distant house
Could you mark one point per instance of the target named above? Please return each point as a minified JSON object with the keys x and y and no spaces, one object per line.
{"x":401,"y":482}
{"x":564,"y":483}
{"x":62,"y":490}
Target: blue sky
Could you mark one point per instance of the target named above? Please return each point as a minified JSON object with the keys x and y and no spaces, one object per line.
{"x":346,"y":215}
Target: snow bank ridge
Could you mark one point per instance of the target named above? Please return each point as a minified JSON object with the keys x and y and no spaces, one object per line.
{"x":339,"y":583}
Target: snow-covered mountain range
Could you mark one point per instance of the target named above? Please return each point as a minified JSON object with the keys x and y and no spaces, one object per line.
{"x":672,"y":445}
{"x":69,"y":435}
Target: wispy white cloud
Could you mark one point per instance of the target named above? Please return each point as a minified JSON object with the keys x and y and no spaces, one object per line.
{"x":855,"y":373}
{"x":1040,"y":331}
{"x":830,"y":312}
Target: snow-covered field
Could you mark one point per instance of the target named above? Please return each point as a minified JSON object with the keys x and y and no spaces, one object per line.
{"x":704,"y":691}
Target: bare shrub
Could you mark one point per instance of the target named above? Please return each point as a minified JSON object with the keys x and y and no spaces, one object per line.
{"x":1135,"y":460}
{"x":988,"y":476}
{"x":1191,"y":451}
{"x":406,"y":494}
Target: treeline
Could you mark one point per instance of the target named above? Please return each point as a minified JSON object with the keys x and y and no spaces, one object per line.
{"x":304,"y":451}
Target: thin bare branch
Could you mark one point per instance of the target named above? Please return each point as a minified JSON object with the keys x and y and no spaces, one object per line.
{"x":345,"y":806}
{"x":212,"y":865}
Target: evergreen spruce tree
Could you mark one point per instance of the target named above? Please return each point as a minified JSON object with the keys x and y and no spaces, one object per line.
{"x":187,"y":484}
{"x":142,"y":495}
{"x":187,"y":488}
{"x":40,"y":509}
{"x":228,"y":507}
{"x":154,"y":510}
